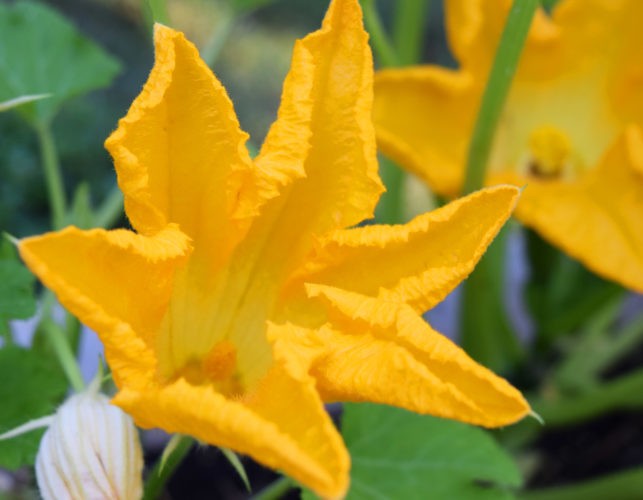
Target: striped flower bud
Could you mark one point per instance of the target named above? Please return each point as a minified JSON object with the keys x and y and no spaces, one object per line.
{"x":91,"y":451}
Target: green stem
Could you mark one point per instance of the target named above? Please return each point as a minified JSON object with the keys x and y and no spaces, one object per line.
{"x":53,"y":175}
{"x":408,"y":29}
{"x":276,"y":490}
{"x":619,"y":345}
{"x":60,"y":344}
{"x":384,"y":51}
{"x":626,"y":485}
{"x":221,"y":33}
{"x":502,"y":72}
{"x":162,"y":472}
{"x":159,"y":12}
{"x":390,"y":207}
{"x":625,"y":392}
{"x":5,"y":333}
{"x":485,"y":332}
{"x":111,"y":209}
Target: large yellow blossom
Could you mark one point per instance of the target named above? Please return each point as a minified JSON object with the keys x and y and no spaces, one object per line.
{"x":570,"y":129}
{"x":242,"y":302}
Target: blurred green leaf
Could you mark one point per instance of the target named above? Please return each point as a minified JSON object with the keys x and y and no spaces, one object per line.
{"x":32,"y":386}
{"x":398,"y":454}
{"x":42,"y":53}
{"x":17,"y":299}
{"x":23,"y":99}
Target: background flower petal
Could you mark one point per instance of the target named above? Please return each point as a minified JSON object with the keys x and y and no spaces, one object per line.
{"x":598,"y":220}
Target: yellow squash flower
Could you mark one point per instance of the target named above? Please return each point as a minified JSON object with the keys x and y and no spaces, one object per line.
{"x":245,"y":300}
{"x":570,"y":130}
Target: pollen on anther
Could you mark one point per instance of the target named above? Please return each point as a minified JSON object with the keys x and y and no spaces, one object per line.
{"x":220,"y":363}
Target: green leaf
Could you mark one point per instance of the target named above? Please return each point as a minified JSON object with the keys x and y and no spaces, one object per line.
{"x":42,"y":53}
{"x":16,"y":287}
{"x":31,"y":387}
{"x":398,"y":454}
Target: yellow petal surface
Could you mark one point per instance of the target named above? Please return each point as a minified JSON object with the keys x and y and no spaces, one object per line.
{"x":380,"y":351}
{"x":283,"y":424}
{"x":320,"y":157}
{"x":417,"y":263}
{"x":599,"y":219}
{"x":116,"y":282}
{"x":325,"y":133}
{"x":424,"y":117}
{"x":179,"y":153}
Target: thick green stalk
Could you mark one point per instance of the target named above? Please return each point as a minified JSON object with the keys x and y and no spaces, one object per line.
{"x":61,"y":346}
{"x":626,"y":485}
{"x":276,"y":490}
{"x":485,"y":332}
{"x":390,"y":207}
{"x":163,"y":470}
{"x":53,"y":175}
{"x":384,"y":50}
{"x":408,"y":29}
{"x":502,"y":72}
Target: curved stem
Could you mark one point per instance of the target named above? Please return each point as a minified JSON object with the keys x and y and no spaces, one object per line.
{"x":502,"y":72}
{"x":381,"y":44}
{"x":276,"y":490}
{"x":53,"y":175}
{"x":59,"y":342}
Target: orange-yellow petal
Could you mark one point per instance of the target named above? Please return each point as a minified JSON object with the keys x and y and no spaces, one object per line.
{"x":474,"y":28}
{"x":179,"y":153}
{"x":423,"y":118}
{"x":417,"y":263}
{"x":384,"y":352}
{"x":283,"y":425}
{"x":116,"y":282}
{"x":598,"y":219}
{"x":325,"y":134}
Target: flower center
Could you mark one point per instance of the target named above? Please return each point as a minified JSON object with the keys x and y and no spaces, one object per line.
{"x":220,"y":363}
{"x":218,"y":368}
{"x":550,"y":152}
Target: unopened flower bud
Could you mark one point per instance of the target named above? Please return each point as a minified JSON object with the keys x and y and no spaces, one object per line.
{"x":91,"y":451}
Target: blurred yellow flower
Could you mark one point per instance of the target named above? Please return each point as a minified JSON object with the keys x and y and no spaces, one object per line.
{"x":245,"y":300}
{"x":570,"y":130}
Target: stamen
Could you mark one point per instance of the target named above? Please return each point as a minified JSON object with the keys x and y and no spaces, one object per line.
{"x":550,"y":151}
{"x":220,"y":363}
